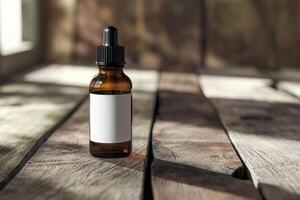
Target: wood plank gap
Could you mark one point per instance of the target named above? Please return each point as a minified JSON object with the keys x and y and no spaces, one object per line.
{"x":193,"y":158}
{"x":39,"y":143}
{"x":263,"y":125}
{"x":242,"y":171}
{"x":63,"y":168}
{"x":28,"y":112}
{"x":148,"y":193}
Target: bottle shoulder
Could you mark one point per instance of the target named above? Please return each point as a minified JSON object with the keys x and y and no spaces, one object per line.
{"x":119,"y":83}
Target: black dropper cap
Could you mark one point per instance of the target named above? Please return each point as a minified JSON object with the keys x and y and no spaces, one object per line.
{"x":110,"y":53}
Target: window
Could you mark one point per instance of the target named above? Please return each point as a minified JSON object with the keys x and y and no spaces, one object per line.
{"x":18,"y":34}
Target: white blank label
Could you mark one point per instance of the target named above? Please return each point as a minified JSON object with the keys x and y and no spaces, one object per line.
{"x":110,"y":118}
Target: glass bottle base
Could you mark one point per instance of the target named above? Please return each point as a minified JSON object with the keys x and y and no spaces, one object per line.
{"x":110,"y":150}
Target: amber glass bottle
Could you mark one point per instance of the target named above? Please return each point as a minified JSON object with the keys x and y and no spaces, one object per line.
{"x":110,"y":101}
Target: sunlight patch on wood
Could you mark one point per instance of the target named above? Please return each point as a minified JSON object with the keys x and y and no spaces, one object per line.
{"x":242,"y":88}
{"x":73,"y":75}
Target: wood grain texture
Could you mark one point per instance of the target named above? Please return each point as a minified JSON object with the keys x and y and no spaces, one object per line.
{"x":193,"y":158}
{"x":263,"y":125}
{"x":64,"y":169}
{"x":28,"y":113}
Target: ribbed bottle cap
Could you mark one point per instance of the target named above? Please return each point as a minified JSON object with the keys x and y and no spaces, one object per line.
{"x":110,"y":52}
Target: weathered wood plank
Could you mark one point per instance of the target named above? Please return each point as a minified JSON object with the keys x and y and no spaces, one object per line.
{"x":193,"y":158}
{"x":263,"y":125}
{"x":28,"y":113}
{"x":64,"y":169}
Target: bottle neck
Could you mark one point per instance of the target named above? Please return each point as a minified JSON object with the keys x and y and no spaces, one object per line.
{"x":110,"y":70}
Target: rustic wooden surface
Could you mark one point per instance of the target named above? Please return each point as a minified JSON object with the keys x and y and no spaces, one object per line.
{"x":28,"y":114}
{"x":193,"y":158}
{"x":263,"y":125}
{"x":63,"y":168}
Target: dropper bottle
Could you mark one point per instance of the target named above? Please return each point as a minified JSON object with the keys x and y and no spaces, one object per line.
{"x":110,"y":101}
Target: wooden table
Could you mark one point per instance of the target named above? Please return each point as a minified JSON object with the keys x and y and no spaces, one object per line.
{"x":232,"y":138}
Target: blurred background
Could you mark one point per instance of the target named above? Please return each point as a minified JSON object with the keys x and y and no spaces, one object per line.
{"x":173,"y":35}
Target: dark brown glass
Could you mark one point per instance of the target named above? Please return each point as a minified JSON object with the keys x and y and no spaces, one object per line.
{"x":110,"y":80}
